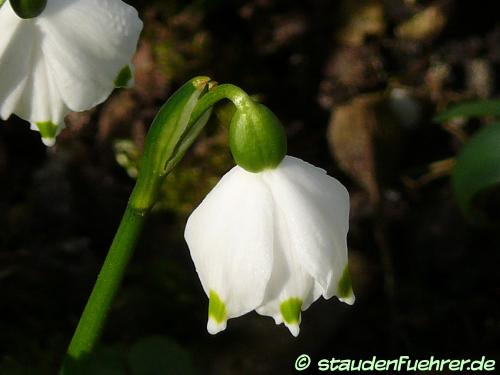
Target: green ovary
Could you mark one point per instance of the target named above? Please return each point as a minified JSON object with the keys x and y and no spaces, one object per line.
{"x":216,"y":308}
{"x":290,"y":310}
{"x":344,"y":289}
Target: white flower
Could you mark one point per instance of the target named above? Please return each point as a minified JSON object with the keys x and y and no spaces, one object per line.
{"x":67,"y":59}
{"x":272,"y":241}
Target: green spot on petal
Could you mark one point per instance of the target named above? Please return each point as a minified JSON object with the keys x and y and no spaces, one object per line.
{"x":123,"y":78}
{"x":1,"y":2}
{"x":290,"y":310}
{"x":216,"y":308}
{"x":48,"y":131}
{"x":345,"y":286}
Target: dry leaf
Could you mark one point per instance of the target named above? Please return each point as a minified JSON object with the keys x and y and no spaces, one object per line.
{"x":361,"y":135}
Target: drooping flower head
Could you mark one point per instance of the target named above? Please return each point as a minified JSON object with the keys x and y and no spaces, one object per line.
{"x":64,"y":55}
{"x":271,"y":235}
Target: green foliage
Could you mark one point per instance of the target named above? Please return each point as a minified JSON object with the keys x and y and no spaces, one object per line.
{"x":477,"y":169}
{"x":477,"y":108}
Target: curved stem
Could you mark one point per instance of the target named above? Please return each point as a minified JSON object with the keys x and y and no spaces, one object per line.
{"x":200,"y":115}
{"x":226,"y":91}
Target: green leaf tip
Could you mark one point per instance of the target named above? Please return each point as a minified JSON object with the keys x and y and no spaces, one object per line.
{"x":477,"y":169}
{"x":290,"y":310}
{"x":216,"y":308}
{"x":476,"y":108}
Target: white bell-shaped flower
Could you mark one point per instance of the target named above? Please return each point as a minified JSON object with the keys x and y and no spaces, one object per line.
{"x":68,"y":58}
{"x":272,"y":241}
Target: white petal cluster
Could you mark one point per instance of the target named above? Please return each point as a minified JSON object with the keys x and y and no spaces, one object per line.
{"x":66,"y":59}
{"x":273,"y":241}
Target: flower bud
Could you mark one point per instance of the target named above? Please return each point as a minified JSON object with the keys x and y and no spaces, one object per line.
{"x":28,"y":8}
{"x":256,"y":138}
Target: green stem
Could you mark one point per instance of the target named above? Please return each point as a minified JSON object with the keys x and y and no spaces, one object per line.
{"x":162,"y":141}
{"x":94,"y":315}
{"x":200,"y":115}
{"x":226,"y":91}
{"x":176,"y":126}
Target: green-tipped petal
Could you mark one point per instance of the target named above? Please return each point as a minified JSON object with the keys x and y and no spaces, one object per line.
{"x":85,"y":44}
{"x":344,"y":289}
{"x":217,"y":314}
{"x":290,"y":312}
{"x":124,"y":77}
{"x":48,"y":132}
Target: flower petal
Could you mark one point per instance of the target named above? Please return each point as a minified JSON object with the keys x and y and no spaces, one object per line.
{"x":316,"y":210}
{"x":87,"y":43}
{"x":230,"y":236}
{"x":40,"y":98}
{"x":291,"y":288}
{"x":16,"y":45}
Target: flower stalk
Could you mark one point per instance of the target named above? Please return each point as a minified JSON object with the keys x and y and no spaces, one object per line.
{"x":164,"y":147}
{"x":174,"y":129}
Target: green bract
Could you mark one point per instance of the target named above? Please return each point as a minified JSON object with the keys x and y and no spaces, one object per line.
{"x":170,"y":135}
{"x":256,"y":138}
{"x":28,"y":8}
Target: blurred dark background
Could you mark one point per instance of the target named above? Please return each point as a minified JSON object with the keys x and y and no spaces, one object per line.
{"x":356,"y":85}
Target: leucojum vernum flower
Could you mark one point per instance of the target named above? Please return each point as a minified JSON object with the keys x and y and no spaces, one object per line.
{"x":271,"y":235}
{"x":58,"y":56}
